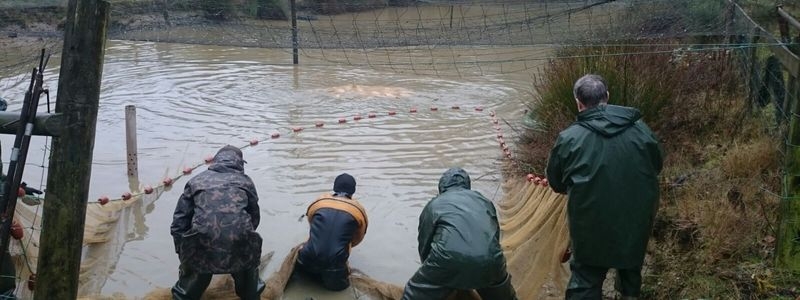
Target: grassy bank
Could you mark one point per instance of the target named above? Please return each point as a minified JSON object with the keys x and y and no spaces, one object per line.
{"x":715,"y":232}
{"x":714,"y":236}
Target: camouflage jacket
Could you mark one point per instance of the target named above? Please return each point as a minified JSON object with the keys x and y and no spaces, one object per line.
{"x":215,"y":219}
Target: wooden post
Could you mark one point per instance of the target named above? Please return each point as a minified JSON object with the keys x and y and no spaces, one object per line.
{"x":130,"y":141}
{"x":753,"y":72}
{"x":730,"y":24}
{"x":787,"y":252}
{"x":165,"y":12}
{"x":45,"y":124}
{"x":788,"y":248}
{"x":295,"y":57}
{"x":451,"y":16}
{"x":64,"y":208}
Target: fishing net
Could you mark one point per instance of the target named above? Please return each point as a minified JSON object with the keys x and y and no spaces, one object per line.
{"x":534,"y":230}
{"x":535,"y":235}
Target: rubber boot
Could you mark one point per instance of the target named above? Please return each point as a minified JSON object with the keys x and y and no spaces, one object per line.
{"x":190,"y":286}
{"x":500,"y":291}
{"x":248,"y":285}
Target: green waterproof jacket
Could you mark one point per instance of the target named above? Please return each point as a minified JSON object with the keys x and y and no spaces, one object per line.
{"x":459,"y":237}
{"x":608,"y":163}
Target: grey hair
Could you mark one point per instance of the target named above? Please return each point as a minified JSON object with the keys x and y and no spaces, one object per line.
{"x":590,"y":90}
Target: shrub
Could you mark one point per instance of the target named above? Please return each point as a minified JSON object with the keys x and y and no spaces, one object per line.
{"x":643,"y":81}
{"x":218,"y":9}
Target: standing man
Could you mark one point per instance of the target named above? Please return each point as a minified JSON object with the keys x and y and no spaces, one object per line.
{"x":459,"y":245}
{"x":214,"y":229}
{"x":608,"y":163}
{"x":338,"y":223}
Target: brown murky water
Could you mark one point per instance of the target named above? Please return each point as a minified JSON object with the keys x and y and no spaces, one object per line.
{"x":192,"y":99}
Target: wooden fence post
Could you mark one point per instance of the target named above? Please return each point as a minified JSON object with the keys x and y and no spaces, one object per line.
{"x":787,"y":253}
{"x":64,"y":208}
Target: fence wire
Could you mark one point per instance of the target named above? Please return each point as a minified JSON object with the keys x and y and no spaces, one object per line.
{"x":422,"y":37}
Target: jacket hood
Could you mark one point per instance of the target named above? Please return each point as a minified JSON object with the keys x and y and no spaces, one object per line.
{"x":228,"y":159}
{"x":454,"y":178}
{"x":608,"y":120}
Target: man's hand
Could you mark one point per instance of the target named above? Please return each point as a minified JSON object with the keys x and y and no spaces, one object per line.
{"x":29,"y":190}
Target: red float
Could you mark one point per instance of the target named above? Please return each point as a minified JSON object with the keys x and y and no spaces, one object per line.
{"x":297,"y":129}
{"x":319,"y":124}
{"x":209,"y":159}
{"x":413,"y":110}
{"x":275,"y":135}
{"x":392,"y":113}
{"x":20,"y":192}
{"x":495,"y":121}
{"x":530,"y":177}
{"x":479,"y":108}
{"x":16,"y":231}
{"x":434,"y":108}
{"x":187,"y":171}
{"x":103,"y":200}
{"x":545,"y":182}
{"x":126,"y":196}
{"x":253,"y":142}
{"x":32,"y":282}
{"x":537,"y":180}
{"x":455,"y":107}
{"x":148,"y":189}
{"x":342,"y":120}
{"x":167,"y":181}
{"x":357,"y":117}
{"x":371,"y":115}
{"x":491,"y":114}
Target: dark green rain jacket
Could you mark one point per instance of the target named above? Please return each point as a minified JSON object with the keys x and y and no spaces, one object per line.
{"x":459,"y":237}
{"x":608,"y":163}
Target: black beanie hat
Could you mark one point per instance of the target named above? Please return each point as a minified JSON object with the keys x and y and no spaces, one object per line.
{"x":344,"y":183}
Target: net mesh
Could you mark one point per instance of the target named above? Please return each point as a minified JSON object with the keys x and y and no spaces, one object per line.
{"x":445,"y":38}
{"x":534,"y":237}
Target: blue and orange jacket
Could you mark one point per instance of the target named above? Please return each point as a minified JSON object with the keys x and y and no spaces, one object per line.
{"x":337,"y":224}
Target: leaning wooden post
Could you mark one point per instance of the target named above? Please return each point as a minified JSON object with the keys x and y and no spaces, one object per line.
{"x":64,"y":209}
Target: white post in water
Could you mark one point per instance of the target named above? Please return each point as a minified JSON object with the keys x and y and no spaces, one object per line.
{"x":130,"y":141}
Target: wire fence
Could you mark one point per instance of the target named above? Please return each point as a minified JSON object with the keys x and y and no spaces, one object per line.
{"x":423,"y":37}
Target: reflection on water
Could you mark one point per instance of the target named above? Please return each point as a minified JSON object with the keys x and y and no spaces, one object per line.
{"x":192,"y":99}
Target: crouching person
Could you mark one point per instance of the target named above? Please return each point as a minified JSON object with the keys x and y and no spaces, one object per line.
{"x":337,"y":223}
{"x":214,"y":229}
{"x":459,"y":245}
